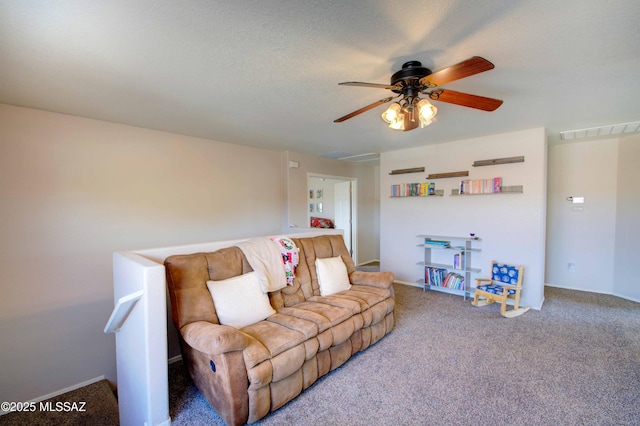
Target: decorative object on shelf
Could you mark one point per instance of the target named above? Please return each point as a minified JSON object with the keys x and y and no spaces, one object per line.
{"x":416,"y":190}
{"x":319,"y":207}
{"x":404,"y":171}
{"x":473,"y":235}
{"x":494,"y":161}
{"x":505,"y":283}
{"x":319,"y":193}
{"x":311,"y":193}
{"x":412,"y":80}
{"x":452,"y":278}
{"x":448,"y":175}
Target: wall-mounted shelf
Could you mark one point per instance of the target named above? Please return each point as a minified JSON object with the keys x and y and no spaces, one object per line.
{"x":513,"y":189}
{"x":448,"y":175}
{"x":405,"y":171}
{"x":495,"y":161}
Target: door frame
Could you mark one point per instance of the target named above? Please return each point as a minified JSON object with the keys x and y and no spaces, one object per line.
{"x":354,"y":206}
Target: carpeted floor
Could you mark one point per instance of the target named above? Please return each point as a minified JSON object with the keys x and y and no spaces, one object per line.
{"x":92,"y":405}
{"x":369,"y":267}
{"x":575,"y":362}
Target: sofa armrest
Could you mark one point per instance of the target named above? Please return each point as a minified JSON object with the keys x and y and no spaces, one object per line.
{"x":372,"y":279}
{"x":212,"y":338}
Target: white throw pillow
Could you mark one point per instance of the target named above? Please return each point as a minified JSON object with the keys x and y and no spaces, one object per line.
{"x":239,"y":301}
{"x":332,"y":275}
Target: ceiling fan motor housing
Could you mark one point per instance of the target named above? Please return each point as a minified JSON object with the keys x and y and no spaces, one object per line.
{"x":409,"y":78}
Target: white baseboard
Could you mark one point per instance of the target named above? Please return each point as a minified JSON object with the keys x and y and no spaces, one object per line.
{"x":68,"y":389}
{"x":175,"y":359}
{"x":627,"y":298}
{"x":368,"y":261}
{"x":408,"y":283}
{"x":61,"y":391}
{"x":593,"y":291}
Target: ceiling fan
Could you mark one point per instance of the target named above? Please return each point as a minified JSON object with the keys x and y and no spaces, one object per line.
{"x":414,"y":79}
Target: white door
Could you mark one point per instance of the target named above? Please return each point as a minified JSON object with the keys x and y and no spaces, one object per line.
{"x":342,"y":194}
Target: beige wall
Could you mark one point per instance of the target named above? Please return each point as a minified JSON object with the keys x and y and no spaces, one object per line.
{"x":511,"y":226}
{"x":75,"y":190}
{"x":601,"y":236}
{"x":582,"y":235}
{"x":297,"y":196}
{"x":626,"y":270}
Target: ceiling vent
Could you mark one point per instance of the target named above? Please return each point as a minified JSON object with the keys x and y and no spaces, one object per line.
{"x":597,"y":132}
{"x":360,"y":158}
{"x":355,"y":158}
{"x":337,"y":155}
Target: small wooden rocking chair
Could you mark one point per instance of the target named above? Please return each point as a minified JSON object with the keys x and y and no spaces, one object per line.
{"x":505,"y":283}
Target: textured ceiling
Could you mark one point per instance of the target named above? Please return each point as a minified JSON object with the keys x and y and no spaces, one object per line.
{"x":265,"y":73}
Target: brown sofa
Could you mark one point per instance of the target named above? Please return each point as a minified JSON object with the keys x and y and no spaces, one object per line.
{"x":246,"y":373}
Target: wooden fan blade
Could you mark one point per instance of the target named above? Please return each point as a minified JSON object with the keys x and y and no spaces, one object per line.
{"x":411,"y":121}
{"x":464,"y":69}
{"x":364,"y":109}
{"x":465,"y":99}
{"x":361,"y":84}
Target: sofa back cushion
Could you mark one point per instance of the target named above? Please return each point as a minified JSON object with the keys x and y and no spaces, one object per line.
{"x":323,"y":246}
{"x":187,"y":277}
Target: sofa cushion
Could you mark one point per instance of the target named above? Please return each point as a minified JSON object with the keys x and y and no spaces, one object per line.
{"x":352,"y":304}
{"x":332,"y":275}
{"x":322,"y":246}
{"x":273,"y":339}
{"x":239,"y":301}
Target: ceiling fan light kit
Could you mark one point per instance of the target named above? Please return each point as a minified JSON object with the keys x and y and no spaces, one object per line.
{"x":414,"y":79}
{"x":427,"y":112}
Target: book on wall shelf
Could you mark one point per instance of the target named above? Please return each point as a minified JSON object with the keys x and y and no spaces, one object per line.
{"x":481,"y":186}
{"x":425,"y":189}
{"x":485,"y":186}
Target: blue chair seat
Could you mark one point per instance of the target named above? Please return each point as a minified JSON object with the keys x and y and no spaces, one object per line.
{"x":495,"y":289}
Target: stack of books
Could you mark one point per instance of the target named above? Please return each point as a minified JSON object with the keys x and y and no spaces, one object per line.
{"x":437,"y":243}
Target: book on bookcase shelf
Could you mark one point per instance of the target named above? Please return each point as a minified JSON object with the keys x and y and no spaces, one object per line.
{"x":437,"y":243}
{"x":439,"y":277}
{"x":435,"y":276}
{"x":458,"y":261}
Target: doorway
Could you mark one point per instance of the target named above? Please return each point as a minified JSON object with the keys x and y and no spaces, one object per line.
{"x":334,"y":198}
